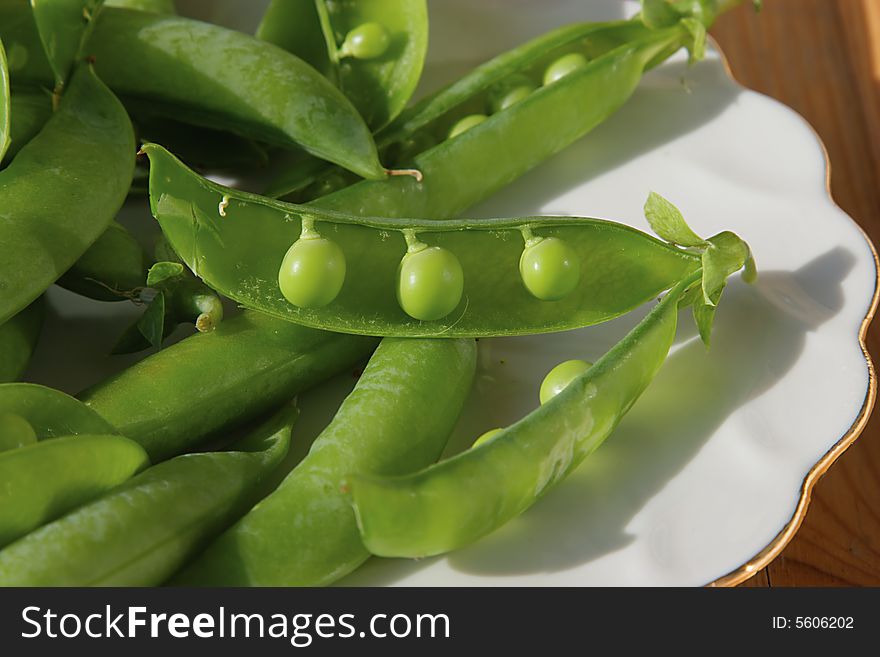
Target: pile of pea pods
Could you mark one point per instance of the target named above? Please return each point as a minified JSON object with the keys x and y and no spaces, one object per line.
{"x":355,"y":251}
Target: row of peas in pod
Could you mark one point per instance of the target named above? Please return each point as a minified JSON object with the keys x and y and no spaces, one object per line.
{"x":430,"y":278}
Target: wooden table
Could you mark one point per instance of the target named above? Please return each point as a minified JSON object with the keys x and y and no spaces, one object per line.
{"x":822,"y":57}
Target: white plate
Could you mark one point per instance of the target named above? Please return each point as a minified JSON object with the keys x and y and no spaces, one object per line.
{"x":712,"y":469}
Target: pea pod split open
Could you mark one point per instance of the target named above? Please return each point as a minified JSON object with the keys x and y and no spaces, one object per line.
{"x":374,"y":50}
{"x":236,"y":243}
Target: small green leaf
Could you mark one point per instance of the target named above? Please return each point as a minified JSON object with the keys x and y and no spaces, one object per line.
{"x":152,"y":323}
{"x":658,"y":14}
{"x":750,"y":274}
{"x":693,"y":295}
{"x":162,"y":274}
{"x":726,"y":254}
{"x":667,"y":221}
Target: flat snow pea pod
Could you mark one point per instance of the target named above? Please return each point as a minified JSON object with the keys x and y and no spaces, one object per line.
{"x":208,"y":75}
{"x":399,"y":415}
{"x":79,"y":167}
{"x":61,"y":25}
{"x":18,"y":338}
{"x":457,"y":501}
{"x":140,"y":533}
{"x":43,"y":480}
{"x":50,"y":412}
{"x":239,"y":253}
{"x":373,"y":49}
{"x":29,"y":112}
{"x":111,"y":269}
{"x":249,"y":365}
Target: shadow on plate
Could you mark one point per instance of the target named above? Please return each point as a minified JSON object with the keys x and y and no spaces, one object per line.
{"x":759,"y":334}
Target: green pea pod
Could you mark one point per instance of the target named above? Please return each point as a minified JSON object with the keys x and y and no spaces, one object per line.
{"x":29,"y":112}
{"x":211,"y":76}
{"x":457,"y":501}
{"x":236,"y":243}
{"x":18,"y":338}
{"x":398,"y":417}
{"x":80,"y":167}
{"x":249,"y":365}
{"x":112,"y":268}
{"x":5,"y":104}
{"x":61,"y":25}
{"x":373,"y":50}
{"x":41,"y":481}
{"x":51,"y":413}
{"x":141,"y":532}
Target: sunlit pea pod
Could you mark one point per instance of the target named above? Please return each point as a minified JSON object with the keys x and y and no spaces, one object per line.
{"x":617,"y":52}
{"x":239,"y":252}
{"x":374,"y":50}
{"x":141,"y":532}
{"x":79,"y":166}
{"x":457,"y":501}
{"x":399,"y":414}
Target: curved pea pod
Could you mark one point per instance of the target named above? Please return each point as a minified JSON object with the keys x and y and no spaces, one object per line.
{"x":111,"y":269}
{"x":80,"y":167}
{"x":239,"y":254}
{"x":18,"y":338}
{"x":398,"y":417}
{"x":252,"y":363}
{"x":51,"y":413}
{"x":211,"y":76}
{"x":43,"y":480}
{"x":457,"y":501}
{"x":373,"y":50}
{"x":141,"y":532}
{"x":29,"y":112}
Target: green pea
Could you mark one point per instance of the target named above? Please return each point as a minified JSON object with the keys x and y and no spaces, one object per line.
{"x":510,"y":92}
{"x":466,"y":124}
{"x":312,"y":272}
{"x":15,"y":432}
{"x":560,"y":376}
{"x":564,"y":66}
{"x":486,"y":437}
{"x":431,"y":283}
{"x":550,"y":268}
{"x":367,"y":41}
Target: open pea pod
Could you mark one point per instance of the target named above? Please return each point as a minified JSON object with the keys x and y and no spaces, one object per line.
{"x":80,"y":168}
{"x":18,"y":338}
{"x":374,"y":50}
{"x":141,"y":532}
{"x":485,"y":277}
{"x":45,"y":479}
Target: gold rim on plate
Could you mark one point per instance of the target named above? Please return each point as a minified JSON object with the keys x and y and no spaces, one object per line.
{"x":783,"y":538}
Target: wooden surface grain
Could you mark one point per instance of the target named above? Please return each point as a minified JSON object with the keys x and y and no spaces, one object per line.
{"x":822,"y":57}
